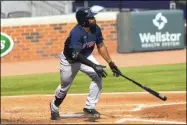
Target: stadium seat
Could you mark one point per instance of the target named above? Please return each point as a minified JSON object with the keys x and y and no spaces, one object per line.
{"x":3,"y":15}
{"x":17,"y":14}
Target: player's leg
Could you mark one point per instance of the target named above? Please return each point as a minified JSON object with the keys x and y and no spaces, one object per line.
{"x":67,"y":73}
{"x":94,"y":89}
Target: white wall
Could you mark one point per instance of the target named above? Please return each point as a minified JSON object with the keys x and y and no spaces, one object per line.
{"x":102,"y":16}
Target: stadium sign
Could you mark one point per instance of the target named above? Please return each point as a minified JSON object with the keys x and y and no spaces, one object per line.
{"x":7,"y":44}
{"x":158,"y":30}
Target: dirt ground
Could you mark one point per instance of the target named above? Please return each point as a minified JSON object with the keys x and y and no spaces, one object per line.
{"x":116,"y":108}
{"x":120,"y":108}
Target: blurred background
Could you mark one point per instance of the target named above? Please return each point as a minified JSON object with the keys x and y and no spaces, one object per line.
{"x":17,"y":9}
{"x":45,"y":8}
{"x":39,"y":28}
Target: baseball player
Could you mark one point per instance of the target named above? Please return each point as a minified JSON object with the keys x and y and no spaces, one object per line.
{"x":77,"y":56}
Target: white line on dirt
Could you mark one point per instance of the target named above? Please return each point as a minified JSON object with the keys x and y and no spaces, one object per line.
{"x":141,"y":106}
{"x":138,"y":108}
{"x":123,"y":120}
{"x":156,"y":105}
{"x":83,"y":94}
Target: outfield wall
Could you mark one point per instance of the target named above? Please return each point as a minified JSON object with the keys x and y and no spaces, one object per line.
{"x":40,"y":38}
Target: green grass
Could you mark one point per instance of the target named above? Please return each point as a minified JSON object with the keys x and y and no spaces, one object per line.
{"x":159,"y":77}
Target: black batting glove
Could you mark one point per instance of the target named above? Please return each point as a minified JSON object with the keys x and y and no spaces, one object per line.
{"x":114,"y":69}
{"x":100,"y":71}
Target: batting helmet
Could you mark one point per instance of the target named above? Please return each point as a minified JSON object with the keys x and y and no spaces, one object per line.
{"x":82,"y":16}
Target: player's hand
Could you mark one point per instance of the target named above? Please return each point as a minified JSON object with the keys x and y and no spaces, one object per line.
{"x":100,"y":71}
{"x":114,"y":69}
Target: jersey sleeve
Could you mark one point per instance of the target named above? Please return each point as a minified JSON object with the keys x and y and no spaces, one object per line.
{"x":99,"y":36}
{"x":75,"y":40}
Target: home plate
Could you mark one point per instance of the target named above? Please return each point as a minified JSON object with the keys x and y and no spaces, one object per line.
{"x":75,"y":115}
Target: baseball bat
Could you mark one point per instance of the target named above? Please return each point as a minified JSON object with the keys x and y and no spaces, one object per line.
{"x":153,"y":92}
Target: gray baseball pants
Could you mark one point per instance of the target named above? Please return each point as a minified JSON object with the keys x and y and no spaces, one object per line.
{"x":69,"y":71}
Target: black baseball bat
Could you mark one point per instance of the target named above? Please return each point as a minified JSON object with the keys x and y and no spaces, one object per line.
{"x":153,"y":92}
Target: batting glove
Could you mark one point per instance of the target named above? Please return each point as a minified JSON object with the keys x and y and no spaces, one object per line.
{"x":100,"y":70}
{"x":114,"y":69}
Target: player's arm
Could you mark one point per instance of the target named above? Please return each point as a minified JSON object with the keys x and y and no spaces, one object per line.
{"x":101,"y":46}
{"x":104,"y":53}
{"x":76,"y":47}
{"x":77,"y":56}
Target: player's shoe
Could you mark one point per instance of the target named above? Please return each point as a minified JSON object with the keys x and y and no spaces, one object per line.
{"x":54,"y":111}
{"x":91,"y":112}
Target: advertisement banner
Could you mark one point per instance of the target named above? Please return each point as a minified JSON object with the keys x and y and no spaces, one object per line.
{"x":157,"y":30}
{"x":7,"y":44}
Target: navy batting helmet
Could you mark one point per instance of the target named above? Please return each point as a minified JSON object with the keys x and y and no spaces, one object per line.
{"x":82,"y":16}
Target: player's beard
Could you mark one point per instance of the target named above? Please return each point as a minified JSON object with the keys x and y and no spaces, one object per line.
{"x":93,"y":27}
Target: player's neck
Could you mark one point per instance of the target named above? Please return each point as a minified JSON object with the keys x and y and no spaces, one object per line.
{"x":87,"y":29}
